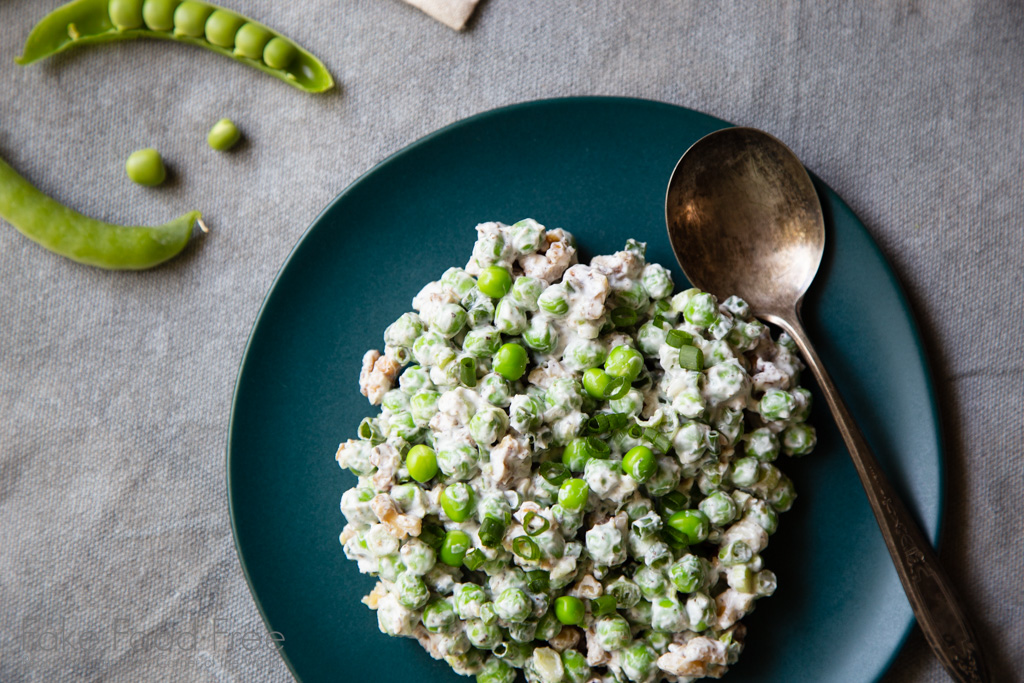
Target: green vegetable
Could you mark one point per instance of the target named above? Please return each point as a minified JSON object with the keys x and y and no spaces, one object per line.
{"x":87,"y":240}
{"x":494,"y":281}
{"x":624,"y":362}
{"x":570,"y":610}
{"x":605,"y":604}
{"x":582,"y":450}
{"x":83,"y":22}
{"x":222,"y":26}
{"x":145,"y":167}
{"x":457,"y":501}
{"x":510,"y":361}
{"x":526,"y":548}
{"x":491,"y":532}
{"x":639,"y":463}
{"x":573,"y":494}
{"x":678,"y":338}
{"x":421,"y":461}
{"x":224,"y":135}
{"x":454,"y":548}
{"x":126,"y":14}
{"x":534,"y":524}
{"x":691,"y":358}
{"x":691,"y":526}
{"x":603,"y":386}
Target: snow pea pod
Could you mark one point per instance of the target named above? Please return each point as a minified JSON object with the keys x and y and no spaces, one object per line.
{"x":82,"y":22}
{"x":87,"y":240}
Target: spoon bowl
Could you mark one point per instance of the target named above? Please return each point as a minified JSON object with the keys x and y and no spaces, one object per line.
{"x":743,"y":218}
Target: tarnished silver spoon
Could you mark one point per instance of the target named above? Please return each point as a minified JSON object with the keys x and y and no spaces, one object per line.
{"x":743,"y":218}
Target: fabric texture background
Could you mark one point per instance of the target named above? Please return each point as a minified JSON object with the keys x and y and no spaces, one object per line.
{"x":115,"y":388}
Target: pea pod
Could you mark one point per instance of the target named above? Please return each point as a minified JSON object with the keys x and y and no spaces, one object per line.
{"x":87,"y":240}
{"x":83,"y":22}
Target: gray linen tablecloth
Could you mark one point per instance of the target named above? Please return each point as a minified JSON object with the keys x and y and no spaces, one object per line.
{"x":115,"y":388}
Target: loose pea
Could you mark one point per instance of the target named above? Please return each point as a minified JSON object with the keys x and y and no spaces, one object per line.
{"x":510,"y":361}
{"x":223,"y":135}
{"x":159,"y":14}
{"x":279,"y":53}
{"x":691,"y":525}
{"x":250,"y":41}
{"x":573,"y":494}
{"x":494,"y":281}
{"x":457,"y":501}
{"x":421,"y":462}
{"x":603,"y":386}
{"x":190,"y":19}
{"x":639,"y":463}
{"x":569,"y":610}
{"x":454,"y":548}
{"x":145,"y":167}
{"x":624,"y":362}
{"x":126,"y":14}
{"x":222,"y":26}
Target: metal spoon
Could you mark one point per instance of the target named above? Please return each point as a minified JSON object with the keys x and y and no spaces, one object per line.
{"x":743,"y":218}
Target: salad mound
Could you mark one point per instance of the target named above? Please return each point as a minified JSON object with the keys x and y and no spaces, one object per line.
{"x":572,"y":472}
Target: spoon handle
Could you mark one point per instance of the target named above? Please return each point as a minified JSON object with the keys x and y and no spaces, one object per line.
{"x":936,"y":604}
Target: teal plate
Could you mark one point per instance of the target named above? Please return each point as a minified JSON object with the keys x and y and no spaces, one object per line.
{"x":597,"y":167}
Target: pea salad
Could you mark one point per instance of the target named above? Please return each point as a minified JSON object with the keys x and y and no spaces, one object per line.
{"x":573,"y":470}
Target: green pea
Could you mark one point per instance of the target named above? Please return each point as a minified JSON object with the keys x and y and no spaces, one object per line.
{"x":513,"y":605}
{"x":700,"y":310}
{"x":603,"y":386}
{"x":159,"y":14}
{"x":687,"y":574}
{"x":691,"y":526}
{"x":222,"y":26}
{"x":494,"y":281}
{"x":190,"y":19}
{"x":582,"y":450}
{"x":573,"y":494}
{"x":145,"y":167}
{"x":438,"y":616}
{"x":457,"y":501}
{"x":719,"y":507}
{"x":126,"y":14}
{"x":251,"y":39}
{"x":223,"y":135}
{"x":624,"y":362}
{"x":453,"y":550}
{"x":279,"y":53}
{"x":639,"y":463}
{"x":510,"y":361}
{"x":496,"y":671}
{"x":421,"y":461}
{"x":570,"y":610}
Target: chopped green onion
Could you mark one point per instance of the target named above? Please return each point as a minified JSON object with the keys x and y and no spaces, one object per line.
{"x":606,"y":604}
{"x":530,"y":528}
{"x":467,"y":371}
{"x":635,"y":431}
{"x":370,"y":430}
{"x":678,"y":338}
{"x":623,"y":317}
{"x":432,"y":535}
{"x":491,"y":532}
{"x":526,"y":548}
{"x":538,"y":581}
{"x":474,"y":559}
{"x":691,"y":358}
{"x":673,"y":502}
{"x":553,"y":472}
